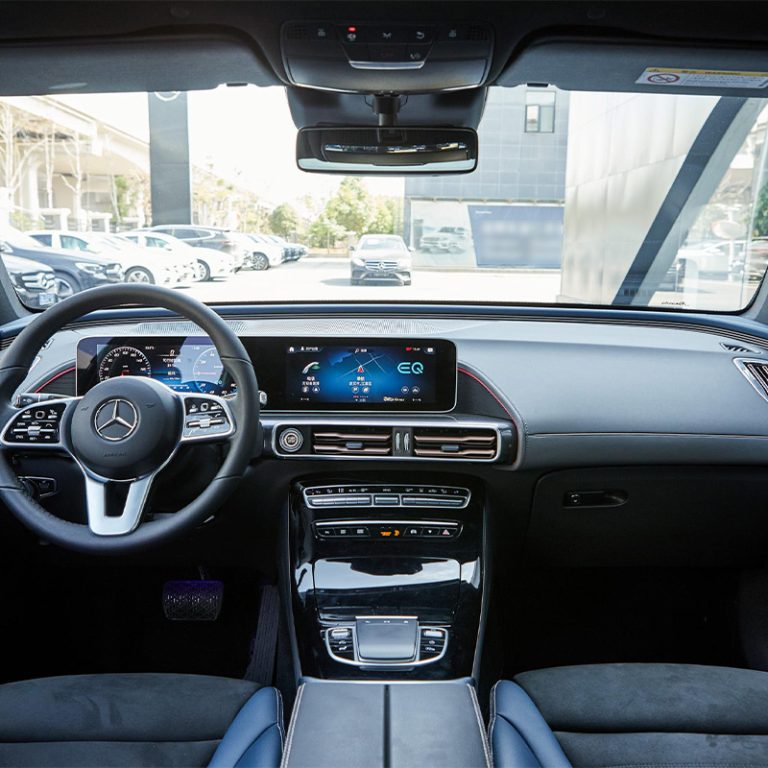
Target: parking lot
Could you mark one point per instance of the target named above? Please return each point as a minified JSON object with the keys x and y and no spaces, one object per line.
{"x":323,"y":279}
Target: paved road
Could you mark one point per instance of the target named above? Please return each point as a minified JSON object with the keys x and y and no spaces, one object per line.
{"x":328,"y":280}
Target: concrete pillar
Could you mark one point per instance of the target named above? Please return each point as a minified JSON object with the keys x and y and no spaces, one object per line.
{"x":29,"y":192}
{"x":169,"y":165}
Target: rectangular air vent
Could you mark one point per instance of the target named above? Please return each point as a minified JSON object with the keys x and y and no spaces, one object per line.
{"x":459,"y":443}
{"x":352,"y":441}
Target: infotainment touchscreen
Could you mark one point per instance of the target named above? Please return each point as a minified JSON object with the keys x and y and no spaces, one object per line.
{"x":375,"y":375}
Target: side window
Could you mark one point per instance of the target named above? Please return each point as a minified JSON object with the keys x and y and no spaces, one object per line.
{"x":71,"y":243}
{"x":155,"y":242}
{"x":44,"y":239}
{"x":132,"y":238}
{"x":540,"y":112}
{"x":185,"y":233}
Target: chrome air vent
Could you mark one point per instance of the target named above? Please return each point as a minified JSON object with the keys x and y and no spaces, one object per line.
{"x":352,"y":441}
{"x":738,"y":349}
{"x":756,"y":372}
{"x":448,"y":443}
{"x":448,"y":439}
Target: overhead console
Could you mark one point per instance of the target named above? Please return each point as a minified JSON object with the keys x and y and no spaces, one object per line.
{"x":387,"y":57}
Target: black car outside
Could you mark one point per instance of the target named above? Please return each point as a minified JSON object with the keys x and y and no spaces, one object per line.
{"x":35,"y":283}
{"x":74,"y":272}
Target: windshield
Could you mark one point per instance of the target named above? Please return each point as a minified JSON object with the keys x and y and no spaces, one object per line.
{"x":608,"y":199}
{"x":381,"y":244}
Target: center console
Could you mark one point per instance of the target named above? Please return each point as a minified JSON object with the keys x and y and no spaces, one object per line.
{"x":386,"y":725}
{"x":387,"y":576}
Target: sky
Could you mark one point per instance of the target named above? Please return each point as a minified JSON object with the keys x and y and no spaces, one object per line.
{"x":246,"y":134}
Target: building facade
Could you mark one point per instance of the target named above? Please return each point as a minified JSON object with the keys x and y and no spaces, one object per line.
{"x":509,"y":212}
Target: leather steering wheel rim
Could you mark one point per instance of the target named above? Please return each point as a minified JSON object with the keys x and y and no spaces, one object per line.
{"x":15,"y":366}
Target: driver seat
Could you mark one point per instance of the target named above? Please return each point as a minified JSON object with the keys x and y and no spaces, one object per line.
{"x":140,"y":720}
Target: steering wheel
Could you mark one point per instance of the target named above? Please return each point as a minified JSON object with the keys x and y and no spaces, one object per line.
{"x":125,"y":430}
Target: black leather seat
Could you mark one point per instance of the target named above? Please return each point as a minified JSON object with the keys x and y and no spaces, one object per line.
{"x":631,"y":715}
{"x":140,"y":720}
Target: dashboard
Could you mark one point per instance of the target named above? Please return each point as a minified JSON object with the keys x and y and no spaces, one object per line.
{"x":600,"y":443}
{"x":579,"y":393}
{"x":321,"y":374}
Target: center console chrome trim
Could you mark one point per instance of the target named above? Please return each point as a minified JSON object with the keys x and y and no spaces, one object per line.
{"x":357,"y":662}
{"x":374,"y":486}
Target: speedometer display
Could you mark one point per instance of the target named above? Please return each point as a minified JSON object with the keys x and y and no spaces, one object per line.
{"x":183,"y":363}
{"x":124,"y":361}
{"x":209,"y":375}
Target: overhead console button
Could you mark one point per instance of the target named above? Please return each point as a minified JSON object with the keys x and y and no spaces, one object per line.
{"x":418,"y":52}
{"x":421,"y":34}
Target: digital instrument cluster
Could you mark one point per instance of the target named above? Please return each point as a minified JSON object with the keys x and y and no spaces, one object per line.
{"x":185,"y":364}
{"x":313,"y":374}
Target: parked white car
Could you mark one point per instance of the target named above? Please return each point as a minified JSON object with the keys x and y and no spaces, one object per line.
{"x":295,"y":250}
{"x":210,"y":262}
{"x":266,"y":253}
{"x":139,"y":265}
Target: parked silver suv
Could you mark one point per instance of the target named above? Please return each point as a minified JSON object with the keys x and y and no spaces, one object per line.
{"x":381,"y":258}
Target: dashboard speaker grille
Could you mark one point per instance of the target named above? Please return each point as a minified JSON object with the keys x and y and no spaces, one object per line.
{"x":444,"y":443}
{"x":298,"y":32}
{"x":738,"y":349}
{"x":352,"y":441}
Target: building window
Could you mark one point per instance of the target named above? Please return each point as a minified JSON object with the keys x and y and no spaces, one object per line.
{"x":539,"y":112}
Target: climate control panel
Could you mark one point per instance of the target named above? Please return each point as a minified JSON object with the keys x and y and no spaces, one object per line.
{"x":387,"y":530}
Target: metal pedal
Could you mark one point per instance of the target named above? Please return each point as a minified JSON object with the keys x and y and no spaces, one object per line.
{"x":192,"y":600}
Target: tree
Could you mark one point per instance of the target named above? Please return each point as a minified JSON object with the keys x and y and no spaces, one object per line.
{"x":350,"y":207}
{"x":324,"y":233}
{"x":760,"y":224}
{"x":387,"y":217}
{"x":284,"y":220}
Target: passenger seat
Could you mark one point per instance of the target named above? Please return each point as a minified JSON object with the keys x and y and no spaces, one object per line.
{"x":648,"y":715}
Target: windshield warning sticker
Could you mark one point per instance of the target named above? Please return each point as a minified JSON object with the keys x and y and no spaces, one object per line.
{"x":702,"y":78}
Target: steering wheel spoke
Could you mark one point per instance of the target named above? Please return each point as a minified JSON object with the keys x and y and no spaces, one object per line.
{"x":38,"y":426}
{"x":206,"y":417}
{"x":115,"y":508}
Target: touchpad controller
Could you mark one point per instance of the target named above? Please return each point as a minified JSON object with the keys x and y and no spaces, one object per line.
{"x":387,"y":639}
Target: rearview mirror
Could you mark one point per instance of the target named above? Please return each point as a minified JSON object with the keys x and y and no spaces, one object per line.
{"x":390,"y":150}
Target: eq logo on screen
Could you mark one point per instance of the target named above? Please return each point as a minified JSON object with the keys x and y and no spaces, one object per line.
{"x":415,"y":367}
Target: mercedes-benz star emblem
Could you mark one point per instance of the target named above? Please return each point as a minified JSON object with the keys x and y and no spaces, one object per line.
{"x":116,"y":419}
